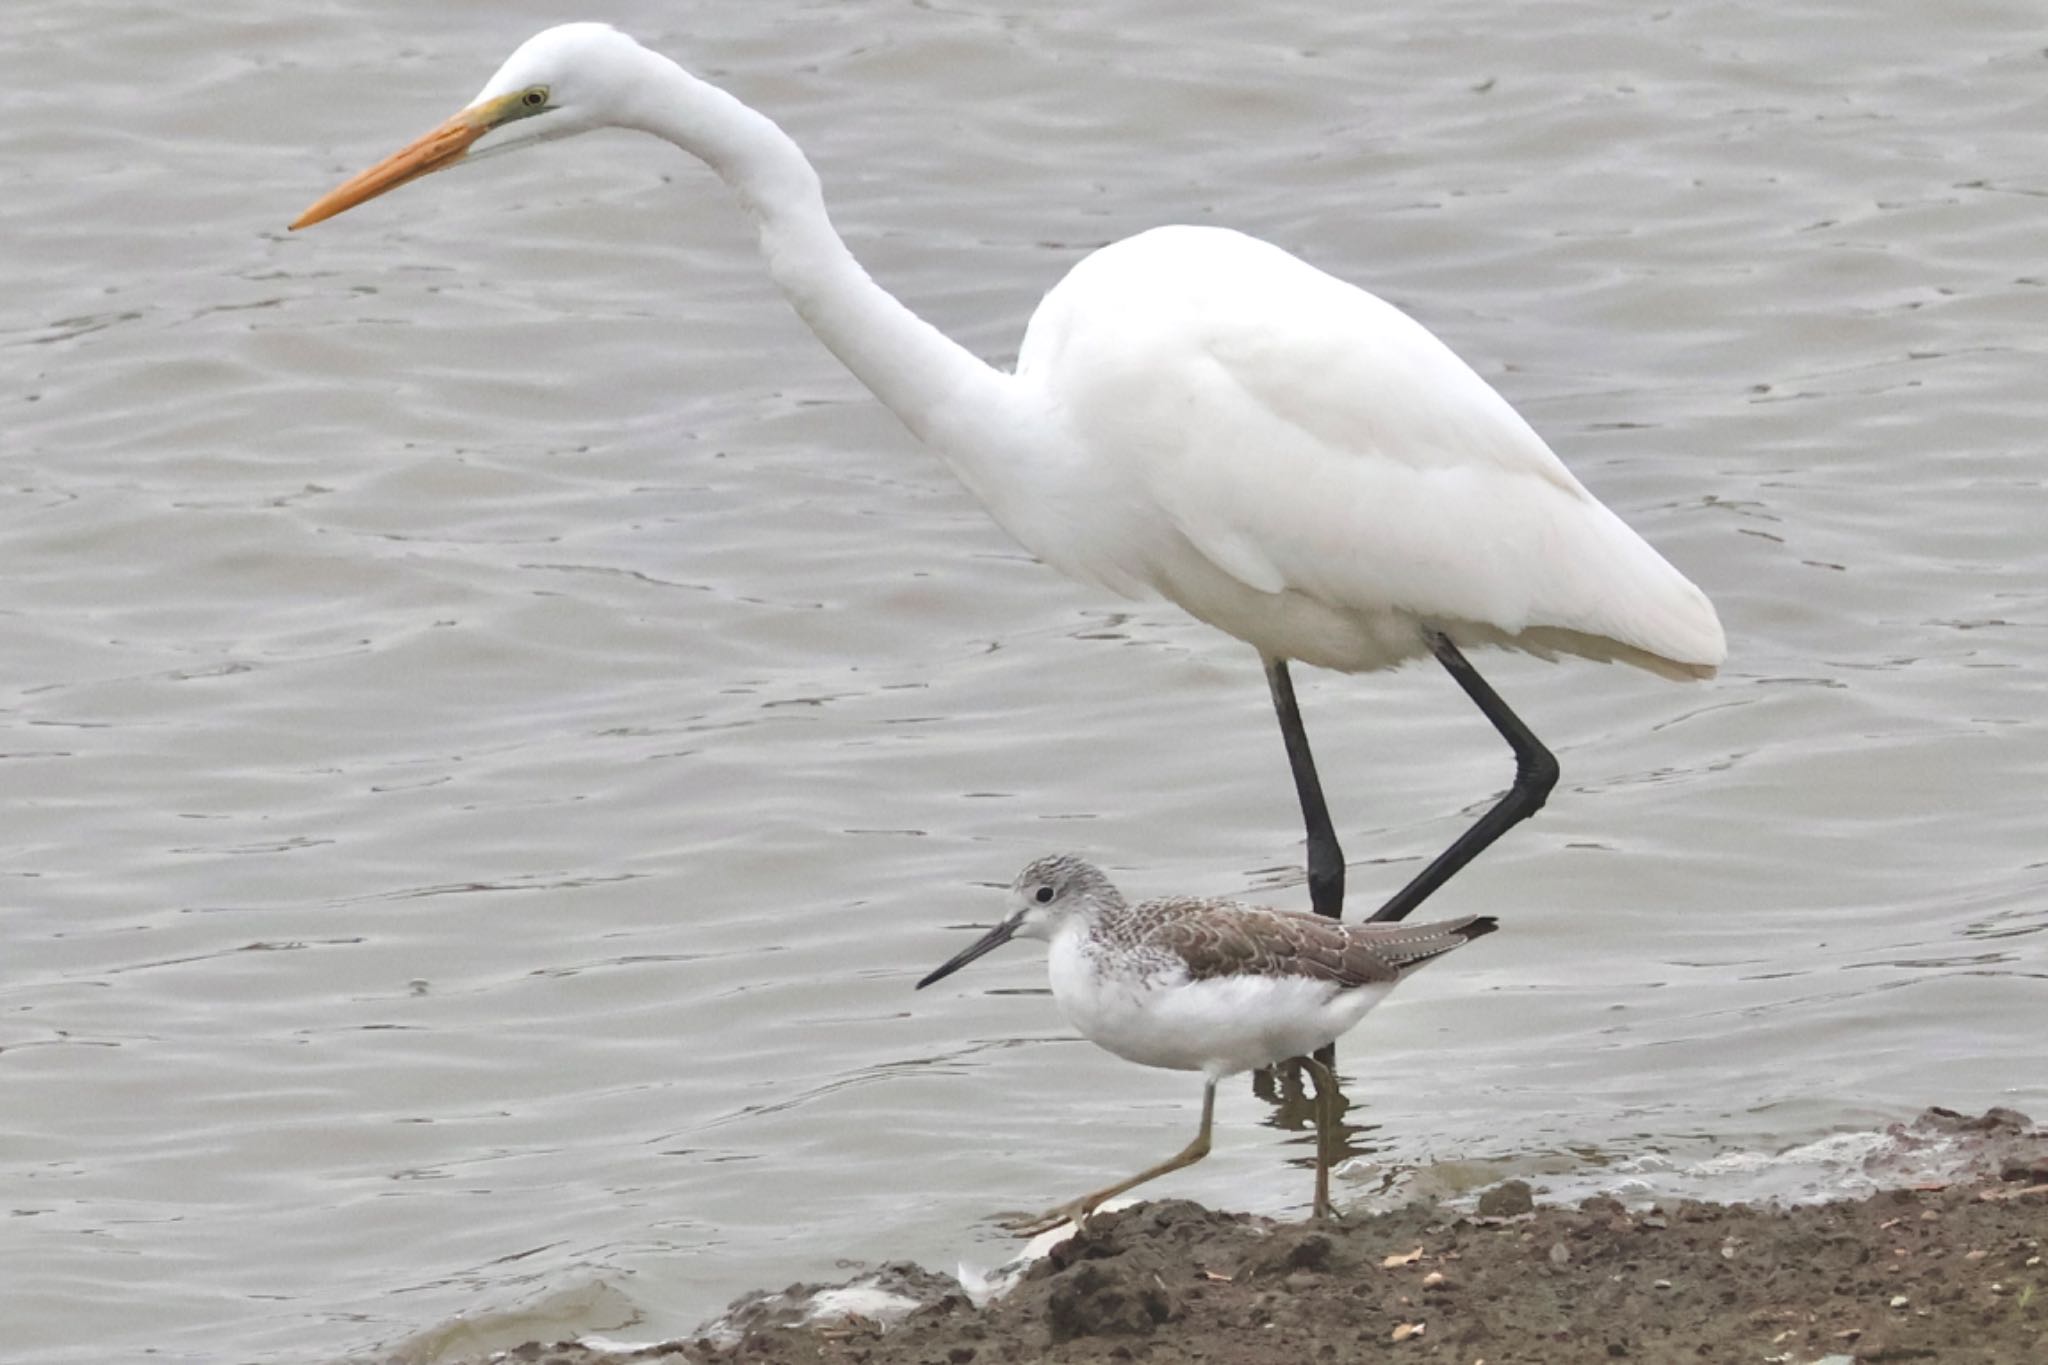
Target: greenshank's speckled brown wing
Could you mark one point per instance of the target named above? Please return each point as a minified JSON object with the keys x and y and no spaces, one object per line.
{"x":1223,"y":938}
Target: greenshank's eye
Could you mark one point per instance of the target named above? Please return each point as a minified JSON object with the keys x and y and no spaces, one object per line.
{"x":1043,"y":895}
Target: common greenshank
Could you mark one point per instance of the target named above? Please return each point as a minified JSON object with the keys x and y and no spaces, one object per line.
{"x":1214,"y":986}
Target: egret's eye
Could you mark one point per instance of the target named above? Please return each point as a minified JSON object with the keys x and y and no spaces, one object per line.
{"x":1044,"y":895}
{"x":535,"y":98}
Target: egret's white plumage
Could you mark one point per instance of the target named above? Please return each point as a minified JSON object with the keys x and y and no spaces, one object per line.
{"x":1302,"y":465}
{"x":1195,"y":415}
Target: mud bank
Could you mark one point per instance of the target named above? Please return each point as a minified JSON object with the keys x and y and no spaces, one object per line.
{"x":1949,"y":1272}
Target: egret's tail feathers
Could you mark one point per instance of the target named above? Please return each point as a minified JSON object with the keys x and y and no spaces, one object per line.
{"x":1651,"y":615}
{"x":1547,"y":642}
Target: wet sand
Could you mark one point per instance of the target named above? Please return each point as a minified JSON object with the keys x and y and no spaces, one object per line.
{"x":1940,"y":1272}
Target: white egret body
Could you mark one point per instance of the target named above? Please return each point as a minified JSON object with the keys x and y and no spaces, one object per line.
{"x":1195,"y":415}
{"x":1302,"y":465}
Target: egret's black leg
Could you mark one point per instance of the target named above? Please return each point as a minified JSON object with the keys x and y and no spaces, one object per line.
{"x":1325,"y":858}
{"x":1535,"y":775}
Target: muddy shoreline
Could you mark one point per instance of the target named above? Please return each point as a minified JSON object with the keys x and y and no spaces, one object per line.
{"x":1943,"y":1271}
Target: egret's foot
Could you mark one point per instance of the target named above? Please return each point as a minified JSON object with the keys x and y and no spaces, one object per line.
{"x":1075,"y":1211}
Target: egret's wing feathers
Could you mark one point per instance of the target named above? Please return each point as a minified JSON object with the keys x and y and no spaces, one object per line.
{"x":1308,"y":438}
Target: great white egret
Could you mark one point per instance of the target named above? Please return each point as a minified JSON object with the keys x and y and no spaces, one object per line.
{"x":1195,"y":414}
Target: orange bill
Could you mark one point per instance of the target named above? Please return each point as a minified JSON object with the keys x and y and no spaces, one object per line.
{"x":440,"y":148}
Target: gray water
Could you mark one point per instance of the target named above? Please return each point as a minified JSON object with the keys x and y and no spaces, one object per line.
{"x":493,"y":720}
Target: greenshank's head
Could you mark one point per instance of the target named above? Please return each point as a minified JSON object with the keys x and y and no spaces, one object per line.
{"x":1047,"y":895}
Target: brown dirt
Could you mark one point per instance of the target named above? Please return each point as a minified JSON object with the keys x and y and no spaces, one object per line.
{"x":1951,"y":1274}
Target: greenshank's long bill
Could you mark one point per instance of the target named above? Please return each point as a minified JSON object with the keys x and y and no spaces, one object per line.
{"x":1213,"y":986}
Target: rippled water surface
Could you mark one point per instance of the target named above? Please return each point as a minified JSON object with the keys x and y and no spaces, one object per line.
{"x":493,"y":720}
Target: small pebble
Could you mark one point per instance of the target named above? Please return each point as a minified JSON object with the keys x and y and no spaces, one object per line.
{"x":1900,"y":1300}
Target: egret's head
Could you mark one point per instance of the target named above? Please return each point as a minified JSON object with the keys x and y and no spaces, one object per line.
{"x":564,"y":80}
{"x":1047,"y":895}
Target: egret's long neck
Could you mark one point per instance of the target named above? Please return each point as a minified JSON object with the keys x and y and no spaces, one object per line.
{"x":943,"y":393}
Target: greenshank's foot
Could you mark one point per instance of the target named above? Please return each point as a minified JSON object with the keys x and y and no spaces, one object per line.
{"x":1030,"y":1225}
